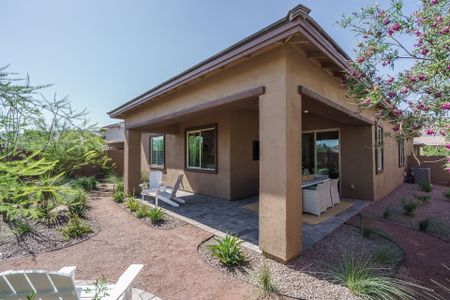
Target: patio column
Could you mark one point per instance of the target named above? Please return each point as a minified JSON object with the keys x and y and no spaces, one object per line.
{"x":280,"y":217}
{"x":132,"y":161}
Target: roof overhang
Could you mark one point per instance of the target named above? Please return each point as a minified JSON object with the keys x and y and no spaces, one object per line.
{"x":297,"y":21}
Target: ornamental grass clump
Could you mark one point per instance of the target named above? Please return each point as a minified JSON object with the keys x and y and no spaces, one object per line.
{"x":132,"y":204}
{"x":86,"y":183}
{"x":447,"y":195}
{"x":359,"y":276}
{"x":75,"y":228}
{"x":424,"y":224}
{"x":228,"y":250}
{"x":426,"y":187}
{"x":156,"y":215}
{"x":423,"y":198}
{"x":409,"y":208}
{"x":265,"y":280}
{"x":143,"y":211}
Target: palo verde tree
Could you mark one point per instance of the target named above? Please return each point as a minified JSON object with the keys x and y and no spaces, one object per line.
{"x":402,"y":66}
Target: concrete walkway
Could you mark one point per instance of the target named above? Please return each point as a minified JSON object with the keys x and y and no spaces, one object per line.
{"x":424,"y":254}
{"x":172,"y":267}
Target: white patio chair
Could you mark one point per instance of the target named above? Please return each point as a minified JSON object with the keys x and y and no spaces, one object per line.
{"x":167,"y":197}
{"x":335,"y":198}
{"x":317,"y":201}
{"x":45,"y":285}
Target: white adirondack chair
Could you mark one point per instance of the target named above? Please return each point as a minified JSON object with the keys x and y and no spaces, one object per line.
{"x":317,"y":201}
{"x":167,"y":197}
{"x":19,"y":285}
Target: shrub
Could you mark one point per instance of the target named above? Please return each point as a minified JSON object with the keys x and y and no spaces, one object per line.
{"x":77,"y":204}
{"x":425,"y":187}
{"x":228,"y":250}
{"x":118,"y":186}
{"x":265,"y":280}
{"x":384,"y":255}
{"x":387,"y":213}
{"x":359,"y":277}
{"x":76,"y":228}
{"x":447,"y":195}
{"x":85,"y":183}
{"x":22,"y":228}
{"x":409,"y":208}
{"x":132,"y":204}
{"x":156,"y":215}
{"x":424,"y":198}
{"x":143,"y":211}
{"x":118,"y":196}
{"x":367,"y":231}
{"x":424,"y":224}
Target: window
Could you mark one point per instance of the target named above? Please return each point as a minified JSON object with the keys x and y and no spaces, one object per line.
{"x":157,"y":151}
{"x":379,"y":149}
{"x":320,"y":153}
{"x":401,"y":152}
{"x":201,"y":149}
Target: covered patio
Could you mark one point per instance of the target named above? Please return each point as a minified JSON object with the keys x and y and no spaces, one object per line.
{"x":241,"y":219}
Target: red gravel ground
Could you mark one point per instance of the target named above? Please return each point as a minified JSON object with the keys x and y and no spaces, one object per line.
{"x":424,"y":254}
{"x":173,"y":269}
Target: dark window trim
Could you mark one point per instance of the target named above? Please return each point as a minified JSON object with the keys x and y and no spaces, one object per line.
{"x":186,"y":130}
{"x":376,"y":149}
{"x":400,"y":148}
{"x":152,"y":166}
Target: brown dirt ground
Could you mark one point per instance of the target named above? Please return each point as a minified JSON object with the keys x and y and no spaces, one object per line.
{"x":173,"y":269}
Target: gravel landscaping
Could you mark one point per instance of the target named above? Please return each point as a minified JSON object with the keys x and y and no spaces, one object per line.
{"x":307,"y":276}
{"x":435,"y":210}
{"x":41,"y":239}
{"x":168,"y":223}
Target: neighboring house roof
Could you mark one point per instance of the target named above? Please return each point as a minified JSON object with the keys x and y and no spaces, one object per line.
{"x":425,"y":140}
{"x":296,"y":21}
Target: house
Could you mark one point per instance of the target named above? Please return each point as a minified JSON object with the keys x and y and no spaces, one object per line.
{"x":253,"y":118}
{"x":114,"y":135}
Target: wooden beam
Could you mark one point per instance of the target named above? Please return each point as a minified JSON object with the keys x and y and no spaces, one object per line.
{"x":328,"y":65}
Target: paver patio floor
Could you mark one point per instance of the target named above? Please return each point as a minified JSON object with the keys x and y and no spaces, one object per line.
{"x":173,"y":269}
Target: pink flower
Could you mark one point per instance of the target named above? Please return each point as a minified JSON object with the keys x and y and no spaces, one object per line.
{"x":424,"y":51}
{"x":446,"y":106}
{"x":434,"y":2}
{"x":361,"y":59}
{"x":386,"y":21}
{"x":396,"y":128}
{"x":423,"y":107}
{"x":412,"y":79}
{"x":429,"y":132}
{"x":398,"y":112}
{"x":392,"y":94}
{"x":422,"y":77}
{"x":396,"y":27}
{"x":447,"y":146}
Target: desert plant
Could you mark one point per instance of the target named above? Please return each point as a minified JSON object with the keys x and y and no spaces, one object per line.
{"x":387,"y":213}
{"x":423,"y":198}
{"x":265,"y":280}
{"x":100,"y":289}
{"x":156,"y":215}
{"x":75,"y":228}
{"x":367,"y":231}
{"x":384,"y":255}
{"x":132,"y":204}
{"x":228,"y":250}
{"x":424,"y":224}
{"x":22,"y":228}
{"x":77,"y":203}
{"x":359,"y":277}
{"x":143,"y":211}
{"x":118,"y":196}
{"x":447,"y":195}
{"x":85,"y":183}
{"x":409,"y":208}
{"x":118,"y":186}
{"x":425,"y":187}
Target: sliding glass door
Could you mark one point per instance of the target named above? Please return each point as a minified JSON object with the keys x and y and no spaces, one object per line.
{"x":320,"y":152}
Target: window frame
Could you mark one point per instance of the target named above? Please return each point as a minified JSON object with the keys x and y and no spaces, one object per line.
{"x":379,"y":139}
{"x":186,"y":148}
{"x":401,"y":152}
{"x":151,"y":165}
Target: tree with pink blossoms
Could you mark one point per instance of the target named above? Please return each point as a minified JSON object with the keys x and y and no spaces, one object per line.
{"x":402,"y":66}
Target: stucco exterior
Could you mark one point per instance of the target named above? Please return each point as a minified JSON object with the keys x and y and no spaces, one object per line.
{"x":276,"y":84}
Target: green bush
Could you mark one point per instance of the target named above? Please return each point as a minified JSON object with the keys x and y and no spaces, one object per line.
{"x":425,"y":187}
{"x":77,"y":203}
{"x":409,"y":208}
{"x":228,"y":250}
{"x":86,"y":183}
{"x":447,"y":195}
{"x":118,"y":186}
{"x":132,"y":204}
{"x":384,"y":255}
{"x":359,"y":277}
{"x":423,"y":198}
{"x":75,"y":228}
{"x":22,"y":228}
{"x":143,"y":211}
{"x":387,"y":213}
{"x":156,"y":215}
{"x":118,"y":196}
{"x":265,"y":280}
{"x":424,"y":224}
{"x":367,"y":231}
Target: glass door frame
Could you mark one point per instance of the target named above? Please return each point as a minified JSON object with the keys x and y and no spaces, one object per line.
{"x":315,"y":131}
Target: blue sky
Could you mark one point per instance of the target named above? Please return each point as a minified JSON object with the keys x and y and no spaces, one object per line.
{"x":103,"y":53}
